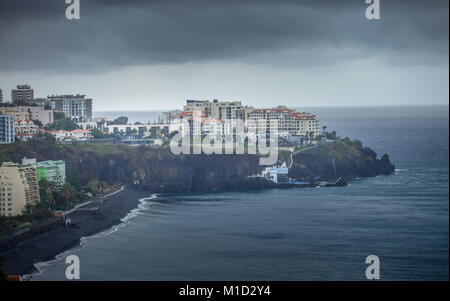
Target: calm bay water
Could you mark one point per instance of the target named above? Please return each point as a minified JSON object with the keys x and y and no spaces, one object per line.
{"x":297,"y":234}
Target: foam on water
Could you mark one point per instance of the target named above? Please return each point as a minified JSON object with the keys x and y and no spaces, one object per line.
{"x":144,"y":204}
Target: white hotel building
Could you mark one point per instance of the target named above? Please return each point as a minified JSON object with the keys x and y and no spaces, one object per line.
{"x":220,"y":117}
{"x":290,"y":122}
{"x":74,"y":135}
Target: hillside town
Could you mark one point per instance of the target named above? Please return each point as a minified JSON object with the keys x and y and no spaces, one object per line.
{"x":69,"y":119}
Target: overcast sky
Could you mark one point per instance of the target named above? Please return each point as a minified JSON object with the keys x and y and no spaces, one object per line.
{"x":152,"y":55}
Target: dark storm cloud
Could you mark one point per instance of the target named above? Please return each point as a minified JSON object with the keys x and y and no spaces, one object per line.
{"x":112,"y":33}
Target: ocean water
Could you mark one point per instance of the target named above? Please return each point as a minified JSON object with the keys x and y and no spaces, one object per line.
{"x":301,"y":233}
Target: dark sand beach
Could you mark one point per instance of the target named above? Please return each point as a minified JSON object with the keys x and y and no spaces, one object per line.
{"x":45,"y":247}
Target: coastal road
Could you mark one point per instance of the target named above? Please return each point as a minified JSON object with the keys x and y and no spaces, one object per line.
{"x":91,"y":201}
{"x":292,"y":158}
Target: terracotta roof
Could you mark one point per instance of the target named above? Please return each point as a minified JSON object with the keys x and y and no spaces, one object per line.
{"x":182,"y":114}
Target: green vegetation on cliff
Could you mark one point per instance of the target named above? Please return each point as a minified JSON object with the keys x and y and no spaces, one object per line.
{"x":340,"y":158}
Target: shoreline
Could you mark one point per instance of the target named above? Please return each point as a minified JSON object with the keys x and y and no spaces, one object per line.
{"x":118,"y":207}
{"x":38,"y":267}
{"x":22,"y":259}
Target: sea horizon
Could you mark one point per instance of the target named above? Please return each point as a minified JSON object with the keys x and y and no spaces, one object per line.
{"x":151,"y":116}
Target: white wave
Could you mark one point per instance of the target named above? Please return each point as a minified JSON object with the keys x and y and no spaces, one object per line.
{"x":144,"y":204}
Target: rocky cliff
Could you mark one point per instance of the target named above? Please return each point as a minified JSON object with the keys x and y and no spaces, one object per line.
{"x":343,"y":158}
{"x":158,"y":170}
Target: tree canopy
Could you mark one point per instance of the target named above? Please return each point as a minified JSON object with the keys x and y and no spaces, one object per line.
{"x":119,"y":120}
{"x":66,"y":124}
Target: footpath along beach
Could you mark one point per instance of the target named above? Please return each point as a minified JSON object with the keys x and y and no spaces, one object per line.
{"x":21,"y":259}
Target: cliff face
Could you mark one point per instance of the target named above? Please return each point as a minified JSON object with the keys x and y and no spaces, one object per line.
{"x":193,"y":172}
{"x":344,"y":158}
{"x":157,"y":170}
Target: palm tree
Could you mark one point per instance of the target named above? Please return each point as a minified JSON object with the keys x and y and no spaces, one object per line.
{"x":311,"y":136}
{"x":306,"y":138}
{"x":68,"y":192}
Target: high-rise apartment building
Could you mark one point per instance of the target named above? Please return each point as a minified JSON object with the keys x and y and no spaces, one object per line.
{"x":1,"y":95}
{"x":23,"y":94}
{"x":225,"y":110}
{"x":215,"y":116}
{"x":18,"y":188}
{"x":76,"y":107}
{"x":6,"y":129}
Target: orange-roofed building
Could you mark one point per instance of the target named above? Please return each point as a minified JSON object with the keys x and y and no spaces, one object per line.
{"x":288,"y":121}
{"x":75,"y":135}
